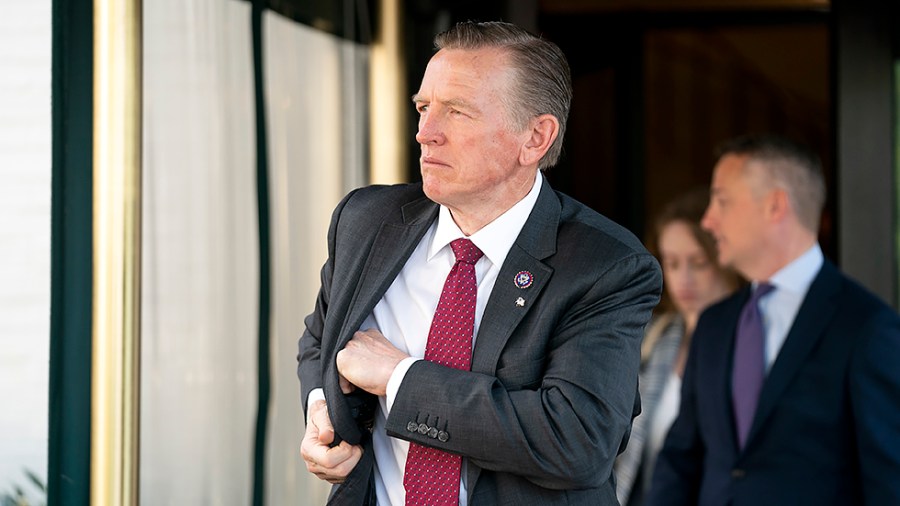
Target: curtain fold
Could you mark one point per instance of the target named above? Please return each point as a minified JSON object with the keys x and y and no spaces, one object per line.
{"x":200,"y":250}
{"x":316,"y":88}
{"x":200,"y":275}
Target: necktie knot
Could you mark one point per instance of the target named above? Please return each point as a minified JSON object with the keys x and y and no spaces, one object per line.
{"x":762,"y":289}
{"x":466,"y":251}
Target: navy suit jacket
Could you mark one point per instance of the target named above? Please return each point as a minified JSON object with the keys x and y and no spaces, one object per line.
{"x":551,"y":394}
{"x":827,"y":426}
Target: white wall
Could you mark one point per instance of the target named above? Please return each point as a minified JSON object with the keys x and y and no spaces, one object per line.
{"x":25,"y":157}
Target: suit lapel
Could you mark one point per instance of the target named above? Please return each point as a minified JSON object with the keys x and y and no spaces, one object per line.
{"x":392,"y":247}
{"x":719,"y":355}
{"x":504,"y":310}
{"x":502,"y":314}
{"x":808,"y":328}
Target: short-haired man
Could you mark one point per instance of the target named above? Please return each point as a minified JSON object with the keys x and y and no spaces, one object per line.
{"x":791,"y":394}
{"x":527,"y":307}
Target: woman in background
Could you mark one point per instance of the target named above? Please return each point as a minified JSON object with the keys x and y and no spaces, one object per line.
{"x":693,"y":280}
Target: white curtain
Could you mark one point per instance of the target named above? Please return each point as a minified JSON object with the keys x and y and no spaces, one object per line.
{"x":316,"y":87}
{"x":201,"y":256}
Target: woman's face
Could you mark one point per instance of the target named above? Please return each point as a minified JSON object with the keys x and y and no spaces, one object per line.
{"x":692,"y":281}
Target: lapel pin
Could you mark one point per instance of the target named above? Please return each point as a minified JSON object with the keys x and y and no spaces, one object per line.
{"x":520,"y":302}
{"x":524,"y":279}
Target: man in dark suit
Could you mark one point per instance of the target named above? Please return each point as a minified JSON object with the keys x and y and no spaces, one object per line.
{"x":540,"y":400}
{"x":808,"y":413}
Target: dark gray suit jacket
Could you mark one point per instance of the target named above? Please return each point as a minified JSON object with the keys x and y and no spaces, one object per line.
{"x":552,"y":390}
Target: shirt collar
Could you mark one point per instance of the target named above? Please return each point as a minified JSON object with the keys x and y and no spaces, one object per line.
{"x":494,"y":239}
{"x":800,"y":273}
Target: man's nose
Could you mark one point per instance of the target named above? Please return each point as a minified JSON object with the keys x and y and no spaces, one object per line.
{"x":430,"y":131}
{"x":708,"y":221}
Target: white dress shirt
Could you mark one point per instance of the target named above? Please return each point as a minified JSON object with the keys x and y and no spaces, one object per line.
{"x":404,"y":317}
{"x":779,"y":308}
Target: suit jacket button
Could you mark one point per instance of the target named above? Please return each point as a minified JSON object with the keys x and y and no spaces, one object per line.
{"x":738,"y":473}
{"x":412,"y":426}
{"x":423,"y":428}
{"x":443,"y":436}
{"x":433,"y":433}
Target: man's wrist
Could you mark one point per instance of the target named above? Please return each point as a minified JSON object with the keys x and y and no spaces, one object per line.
{"x":315,"y":395}
{"x":393,"y":384}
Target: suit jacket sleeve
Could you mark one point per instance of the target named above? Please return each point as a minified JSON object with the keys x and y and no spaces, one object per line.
{"x":565,"y":430}
{"x":875,"y":394}
{"x":679,"y":465}
{"x":309,"y":357}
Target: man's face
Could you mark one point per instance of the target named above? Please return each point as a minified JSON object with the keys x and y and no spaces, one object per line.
{"x":736,"y":213}
{"x":470,"y":149}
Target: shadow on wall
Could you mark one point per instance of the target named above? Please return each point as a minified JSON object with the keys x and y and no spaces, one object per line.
{"x":21,"y":495}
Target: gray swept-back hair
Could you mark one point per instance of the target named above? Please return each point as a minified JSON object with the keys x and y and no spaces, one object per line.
{"x":788,"y":165}
{"x":543,"y":80}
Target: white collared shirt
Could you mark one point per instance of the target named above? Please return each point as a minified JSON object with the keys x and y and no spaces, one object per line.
{"x":405,"y":312}
{"x":779,"y":309}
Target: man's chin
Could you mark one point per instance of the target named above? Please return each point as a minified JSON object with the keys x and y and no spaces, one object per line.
{"x":432,"y":190}
{"x":724,"y":258}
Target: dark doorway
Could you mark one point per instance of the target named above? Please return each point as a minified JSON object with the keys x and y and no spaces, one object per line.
{"x":655,"y":92}
{"x":659,"y":84}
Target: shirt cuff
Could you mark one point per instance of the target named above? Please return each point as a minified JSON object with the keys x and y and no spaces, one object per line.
{"x":316,"y":394}
{"x":395,"y":380}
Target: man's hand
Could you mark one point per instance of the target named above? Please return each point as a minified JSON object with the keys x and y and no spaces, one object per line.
{"x":329,"y":464}
{"x":368,"y":361}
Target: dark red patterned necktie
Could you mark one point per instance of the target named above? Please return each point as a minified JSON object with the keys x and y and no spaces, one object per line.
{"x":432,"y":476}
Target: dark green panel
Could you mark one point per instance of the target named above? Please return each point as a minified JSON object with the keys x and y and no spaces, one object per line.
{"x":70,"y":306}
{"x":265,"y":276}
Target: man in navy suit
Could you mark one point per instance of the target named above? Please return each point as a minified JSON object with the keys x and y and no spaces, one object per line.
{"x":824,"y":427}
{"x":562,"y":295}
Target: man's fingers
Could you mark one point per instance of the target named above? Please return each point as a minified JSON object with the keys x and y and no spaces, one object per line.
{"x":346,"y":386}
{"x":324,"y":456}
{"x":319,"y":418}
{"x":367,"y":362}
{"x":332,"y":464}
{"x":340,"y":472}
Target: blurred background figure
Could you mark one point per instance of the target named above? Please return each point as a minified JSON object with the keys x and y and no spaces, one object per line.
{"x":693,"y":280}
{"x":790,"y":389}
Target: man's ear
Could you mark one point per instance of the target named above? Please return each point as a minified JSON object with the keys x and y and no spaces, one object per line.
{"x":543,"y":131}
{"x":778,"y":204}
